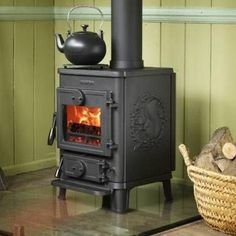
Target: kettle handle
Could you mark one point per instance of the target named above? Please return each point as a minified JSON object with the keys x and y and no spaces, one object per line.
{"x":84,"y":6}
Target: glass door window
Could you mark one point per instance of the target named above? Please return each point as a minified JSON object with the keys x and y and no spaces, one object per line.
{"x":83,"y":125}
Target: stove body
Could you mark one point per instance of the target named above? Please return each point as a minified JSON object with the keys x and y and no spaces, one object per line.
{"x":116,"y":124}
{"x":130,"y":143}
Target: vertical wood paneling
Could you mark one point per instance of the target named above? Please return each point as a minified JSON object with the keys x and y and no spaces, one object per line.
{"x":223,"y":71}
{"x":43,"y":84}
{"x":62,"y":28}
{"x":24,"y":88}
{"x":106,"y":29}
{"x":224,"y":4}
{"x":151,"y":38}
{"x":197,"y":82}
{"x":44,"y":3}
{"x":28,"y":91}
{"x":6,"y":91}
{"x":24,"y":2}
{"x":6,"y":2}
{"x":63,"y":3}
{"x":173,"y":55}
{"x":105,"y":3}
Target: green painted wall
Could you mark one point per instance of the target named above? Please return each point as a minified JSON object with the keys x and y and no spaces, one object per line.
{"x":26,"y":91}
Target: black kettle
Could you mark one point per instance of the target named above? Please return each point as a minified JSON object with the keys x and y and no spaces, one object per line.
{"x":84,"y":47}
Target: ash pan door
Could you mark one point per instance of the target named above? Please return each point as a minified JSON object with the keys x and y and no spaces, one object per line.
{"x":85,"y":121}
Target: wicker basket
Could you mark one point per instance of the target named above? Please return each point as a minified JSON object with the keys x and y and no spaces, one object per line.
{"x":215,"y":195}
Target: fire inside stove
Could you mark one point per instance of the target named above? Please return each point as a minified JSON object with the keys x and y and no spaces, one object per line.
{"x":83,"y":125}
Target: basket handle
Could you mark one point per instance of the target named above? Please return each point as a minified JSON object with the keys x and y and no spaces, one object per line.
{"x":183,"y":150}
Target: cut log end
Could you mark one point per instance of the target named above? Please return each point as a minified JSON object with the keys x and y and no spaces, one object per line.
{"x":229,"y":151}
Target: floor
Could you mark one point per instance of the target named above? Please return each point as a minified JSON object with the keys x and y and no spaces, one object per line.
{"x":194,"y":229}
{"x":32,"y":202}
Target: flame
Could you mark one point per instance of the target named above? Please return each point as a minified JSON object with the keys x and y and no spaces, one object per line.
{"x":90,"y":116}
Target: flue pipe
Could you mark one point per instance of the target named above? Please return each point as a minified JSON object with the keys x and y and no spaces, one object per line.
{"x":127,"y":34}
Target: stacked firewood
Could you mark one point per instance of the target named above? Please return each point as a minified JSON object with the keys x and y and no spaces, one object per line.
{"x":219,"y":155}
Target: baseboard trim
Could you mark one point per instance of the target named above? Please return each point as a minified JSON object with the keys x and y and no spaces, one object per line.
{"x":31,"y":166}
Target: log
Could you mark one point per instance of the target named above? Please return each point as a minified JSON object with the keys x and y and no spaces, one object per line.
{"x":206,"y":161}
{"x":231,"y":169}
{"x":222,"y":163}
{"x":217,"y":141}
{"x":229,"y":150}
{"x":213,"y":150}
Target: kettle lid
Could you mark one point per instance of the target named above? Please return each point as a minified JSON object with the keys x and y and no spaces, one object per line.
{"x":84,"y":31}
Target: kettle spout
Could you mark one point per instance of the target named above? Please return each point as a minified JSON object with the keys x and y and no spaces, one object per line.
{"x":60,"y":42}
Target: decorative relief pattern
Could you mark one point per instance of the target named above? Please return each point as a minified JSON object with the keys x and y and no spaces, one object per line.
{"x":147,"y":122}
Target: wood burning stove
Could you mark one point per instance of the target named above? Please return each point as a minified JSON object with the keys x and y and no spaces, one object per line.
{"x":116,"y":124}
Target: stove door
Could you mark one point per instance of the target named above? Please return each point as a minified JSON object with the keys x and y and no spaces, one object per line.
{"x":85,"y":121}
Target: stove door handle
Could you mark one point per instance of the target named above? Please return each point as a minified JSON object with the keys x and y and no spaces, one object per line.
{"x":52,"y":132}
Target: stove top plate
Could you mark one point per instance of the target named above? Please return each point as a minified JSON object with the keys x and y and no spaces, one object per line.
{"x":88,"y":67}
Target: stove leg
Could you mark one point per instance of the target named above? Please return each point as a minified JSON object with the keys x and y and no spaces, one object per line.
{"x":120,"y":200}
{"x":62,"y":194}
{"x":167,"y":190}
{"x":106,"y":202}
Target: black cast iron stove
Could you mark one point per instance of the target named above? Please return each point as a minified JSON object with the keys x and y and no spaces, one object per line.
{"x":116,"y":124}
